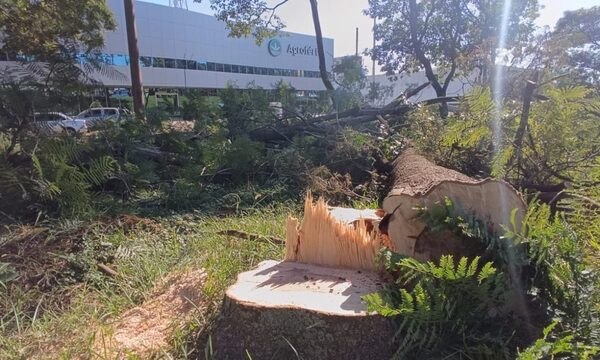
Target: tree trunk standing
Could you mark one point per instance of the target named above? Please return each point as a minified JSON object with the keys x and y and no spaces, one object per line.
{"x":518,"y":143}
{"x":440,"y":90}
{"x":320,"y":49}
{"x":137,"y":91}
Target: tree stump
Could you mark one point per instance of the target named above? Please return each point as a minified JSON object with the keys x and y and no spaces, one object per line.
{"x":288,"y":310}
{"x":420,"y":183}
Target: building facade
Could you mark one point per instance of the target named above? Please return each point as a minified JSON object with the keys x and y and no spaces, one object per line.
{"x":185,"y":49}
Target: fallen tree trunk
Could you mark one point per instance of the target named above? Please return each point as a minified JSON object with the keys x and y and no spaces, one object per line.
{"x":287,"y":310}
{"x":417,"y":182}
{"x":326,"y":124}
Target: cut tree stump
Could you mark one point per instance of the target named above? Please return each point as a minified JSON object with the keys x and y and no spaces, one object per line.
{"x":288,"y":310}
{"x":420,"y":183}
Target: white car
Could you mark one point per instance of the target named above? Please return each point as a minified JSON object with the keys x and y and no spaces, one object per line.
{"x":97,"y":116}
{"x":56,"y":122}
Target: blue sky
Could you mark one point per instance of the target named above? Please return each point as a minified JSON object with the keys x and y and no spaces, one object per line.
{"x":339,"y":22}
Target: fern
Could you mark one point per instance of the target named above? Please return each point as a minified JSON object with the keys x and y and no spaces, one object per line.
{"x":442,"y":307}
{"x":63,"y":177}
{"x":504,"y":250}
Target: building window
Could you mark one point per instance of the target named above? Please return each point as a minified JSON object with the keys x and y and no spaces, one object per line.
{"x":120,"y":60}
{"x":158,"y":62}
{"x":170,"y":63}
{"x":146,"y":61}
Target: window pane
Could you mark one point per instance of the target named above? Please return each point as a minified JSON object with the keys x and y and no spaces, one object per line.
{"x":219,"y":67}
{"x":97,"y":112}
{"x":191,"y":65}
{"x":158,"y":62}
{"x":271,"y":71}
{"x":210,"y":66}
{"x":235,"y":69}
{"x":170,"y":63}
{"x":109,"y":112}
{"x":227,"y":67}
{"x":120,"y":60}
{"x":181,"y":64}
{"x":201,"y":65}
{"x":145,"y":61}
{"x":106,"y":58}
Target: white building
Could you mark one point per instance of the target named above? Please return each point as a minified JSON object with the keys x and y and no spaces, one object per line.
{"x":397,"y":85}
{"x":186,"y":49}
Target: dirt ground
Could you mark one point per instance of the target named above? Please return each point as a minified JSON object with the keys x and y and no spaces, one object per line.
{"x":148,"y":328}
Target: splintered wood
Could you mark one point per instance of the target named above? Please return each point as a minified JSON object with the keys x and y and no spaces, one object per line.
{"x":324,"y":240}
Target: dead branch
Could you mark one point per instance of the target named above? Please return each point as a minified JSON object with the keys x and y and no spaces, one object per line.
{"x":249,"y":236}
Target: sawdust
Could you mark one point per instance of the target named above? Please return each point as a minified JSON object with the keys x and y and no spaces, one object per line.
{"x":148,"y":328}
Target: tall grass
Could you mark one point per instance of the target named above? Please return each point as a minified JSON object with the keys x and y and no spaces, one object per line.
{"x":63,"y":322}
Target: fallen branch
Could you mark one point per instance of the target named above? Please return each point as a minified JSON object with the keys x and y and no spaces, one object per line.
{"x":107,"y":270}
{"x":249,"y":236}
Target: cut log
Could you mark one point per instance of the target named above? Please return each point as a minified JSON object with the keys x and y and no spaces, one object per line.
{"x":287,"y":310}
{"x":420,"y":183}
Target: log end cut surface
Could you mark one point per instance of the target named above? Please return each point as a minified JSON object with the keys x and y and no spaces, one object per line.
{"x":287,"y":310}
{"x":326,"y":290}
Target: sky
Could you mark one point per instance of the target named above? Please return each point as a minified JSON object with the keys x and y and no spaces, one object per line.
{"x":340,"y":18}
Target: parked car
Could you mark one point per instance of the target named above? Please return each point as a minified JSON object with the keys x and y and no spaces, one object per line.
{"x":97,"y":116}
{"x":57,"y":122}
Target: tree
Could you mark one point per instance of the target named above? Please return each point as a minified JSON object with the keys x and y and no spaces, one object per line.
{"x":350,"y":76}
{"x":63,"y":37}
{"x":579,"y":32}
{"x":257,"y":18}
{"x":446,"y":38}
{"x":137,"y":91}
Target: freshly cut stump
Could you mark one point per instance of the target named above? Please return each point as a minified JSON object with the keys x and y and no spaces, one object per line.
{"x":420,"y":183}
{"x":282,"y":310}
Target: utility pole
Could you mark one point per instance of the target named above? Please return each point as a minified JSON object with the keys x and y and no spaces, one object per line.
{"x":137,"y":91}
{"x":373,"y":55}
{"x":356,"y":54}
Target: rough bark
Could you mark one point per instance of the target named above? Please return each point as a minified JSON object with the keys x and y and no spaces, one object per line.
{"x":137,"y":91}
{"x":285,"y":310}
{"x":320,"y":48}
{"x":420,"y":183}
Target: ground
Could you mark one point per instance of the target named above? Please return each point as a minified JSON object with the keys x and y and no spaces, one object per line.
{"x":60,"y":311}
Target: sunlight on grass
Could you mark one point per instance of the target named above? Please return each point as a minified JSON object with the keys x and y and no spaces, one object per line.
{"x":64,"y":322}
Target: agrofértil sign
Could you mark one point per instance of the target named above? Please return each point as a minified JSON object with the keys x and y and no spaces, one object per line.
{"x":275,"y":49}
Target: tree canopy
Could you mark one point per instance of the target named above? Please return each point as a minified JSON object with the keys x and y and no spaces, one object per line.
{"x":446,"y":38}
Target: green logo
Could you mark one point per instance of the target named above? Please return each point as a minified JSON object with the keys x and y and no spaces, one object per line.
{"x":274,"y":47}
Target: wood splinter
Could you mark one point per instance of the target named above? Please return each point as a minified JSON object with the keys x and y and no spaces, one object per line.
{"x":324,"y":239}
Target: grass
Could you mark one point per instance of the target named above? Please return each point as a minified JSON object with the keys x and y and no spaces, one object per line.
{"x":62,"y":322}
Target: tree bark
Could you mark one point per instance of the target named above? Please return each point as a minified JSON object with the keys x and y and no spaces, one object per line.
{"x":420,"y":183}
{"x":320,"y":49}
{"x":518,"y":142}
{"x":137,"y":90}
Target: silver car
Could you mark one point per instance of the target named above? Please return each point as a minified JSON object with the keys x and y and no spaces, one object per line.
{"x":57,"y":122}
{"x":98,"y":116}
